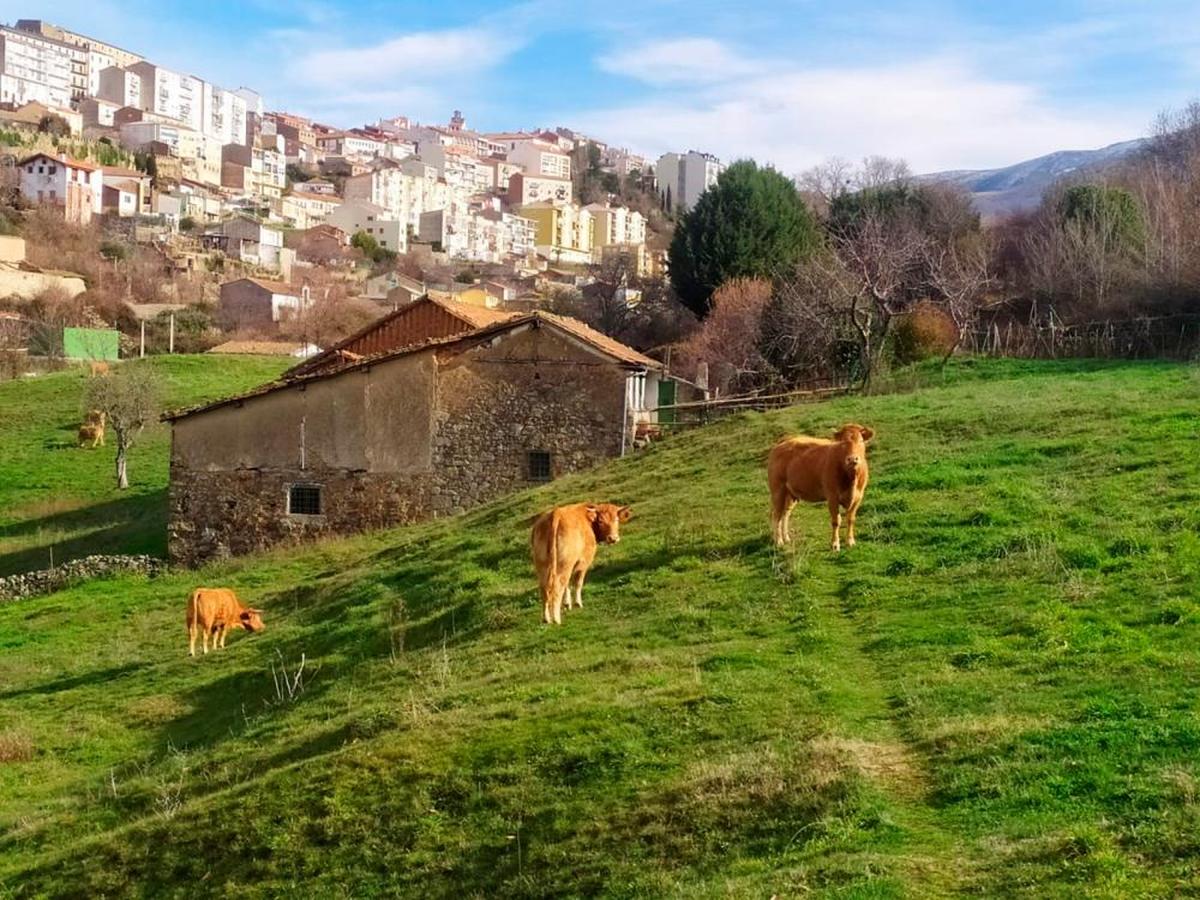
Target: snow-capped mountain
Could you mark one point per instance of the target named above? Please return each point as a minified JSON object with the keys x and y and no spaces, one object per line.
{"x":1019,"y":187}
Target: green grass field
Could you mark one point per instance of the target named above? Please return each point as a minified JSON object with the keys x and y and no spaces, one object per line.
{"x":58,"y":499}
{"x":994,"y":693}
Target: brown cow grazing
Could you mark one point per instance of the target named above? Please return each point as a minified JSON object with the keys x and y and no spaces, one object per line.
{"x":98,"y":368}
{"x":814,"y":469}
{"x":564,"y":545}
{"x":92,"y":429}
{"x":212,"y":611}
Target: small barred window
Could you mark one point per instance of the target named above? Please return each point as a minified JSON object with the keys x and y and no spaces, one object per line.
{"x":304,"y":500}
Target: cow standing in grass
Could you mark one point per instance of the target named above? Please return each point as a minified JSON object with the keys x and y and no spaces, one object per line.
{"x":91,"y":432}
{"x":815,"y":469}
{"x":564,"y":543}
{"x":212,"y":611}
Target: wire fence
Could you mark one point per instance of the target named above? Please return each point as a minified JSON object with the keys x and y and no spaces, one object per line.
{"x":1159,"y":337}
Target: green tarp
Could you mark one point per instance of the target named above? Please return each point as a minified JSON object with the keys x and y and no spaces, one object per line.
{"x":90,"y":343}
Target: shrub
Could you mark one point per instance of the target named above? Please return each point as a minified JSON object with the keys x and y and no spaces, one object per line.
{"x":923,"y":332}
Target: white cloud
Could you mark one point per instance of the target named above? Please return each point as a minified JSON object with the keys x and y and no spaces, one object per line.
{"x":683,"y":61}
{"x":419,"y":56}
{"x":937,"y":115}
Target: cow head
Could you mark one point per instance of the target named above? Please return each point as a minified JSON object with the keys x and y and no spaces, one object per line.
{"x":251,"y":619}
{"x":853,"y":439}
{"x":606,"y":519}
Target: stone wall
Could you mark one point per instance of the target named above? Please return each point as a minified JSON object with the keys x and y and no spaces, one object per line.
{"x":47,"y":581}
{"x":492,"y":405}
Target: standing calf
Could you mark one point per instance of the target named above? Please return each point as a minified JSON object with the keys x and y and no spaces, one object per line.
{"x":92,"y":429}
{"x":212,"y":611}
{"x":564,"y":544}
{"x":814,"y":469}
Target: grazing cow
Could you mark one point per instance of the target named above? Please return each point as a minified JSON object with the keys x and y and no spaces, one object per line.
{"x":212,"y":611}
{"x":98,"y":368}
{"x":564,"y":545}
{"x":815,"y":469}
{"x":92,"y":429}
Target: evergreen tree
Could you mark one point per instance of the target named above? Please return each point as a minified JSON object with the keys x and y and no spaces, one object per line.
{"x":750,"y":224}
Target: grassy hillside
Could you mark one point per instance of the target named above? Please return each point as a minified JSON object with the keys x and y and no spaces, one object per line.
{"x":54,"y":495}
{"x":995,"y":692}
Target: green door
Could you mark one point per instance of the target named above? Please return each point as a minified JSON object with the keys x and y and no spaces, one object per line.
{"x":666,"y":397}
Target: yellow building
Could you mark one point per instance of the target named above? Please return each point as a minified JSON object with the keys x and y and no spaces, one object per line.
{"x":563,"y":232}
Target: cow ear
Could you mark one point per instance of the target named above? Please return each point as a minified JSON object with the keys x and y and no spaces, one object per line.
{"x":867,"y":434}
{"x":592,"y":512}
{"x":624,"y":513}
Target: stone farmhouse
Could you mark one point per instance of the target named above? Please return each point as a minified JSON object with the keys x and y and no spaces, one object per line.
{"x":434,"y":409}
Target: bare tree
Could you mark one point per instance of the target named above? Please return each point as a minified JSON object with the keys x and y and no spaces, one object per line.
{"x":960,"y":275}
{"x":881,"y":171}
{"x":728,"y":339}
{"x":884,"y":259}
{"x":824,"y":182}
{"x":131,"y":399}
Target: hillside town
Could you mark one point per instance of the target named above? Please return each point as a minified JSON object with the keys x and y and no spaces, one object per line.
{"x":212,"y":182}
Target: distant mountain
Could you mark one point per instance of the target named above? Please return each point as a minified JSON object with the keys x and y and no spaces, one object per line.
{"x":1019,"y":187}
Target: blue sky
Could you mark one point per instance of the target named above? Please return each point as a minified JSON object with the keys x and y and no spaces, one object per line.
{"x":790,"y":82}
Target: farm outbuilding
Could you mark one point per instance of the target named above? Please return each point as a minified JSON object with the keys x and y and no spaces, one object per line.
{"x":408,"y":426}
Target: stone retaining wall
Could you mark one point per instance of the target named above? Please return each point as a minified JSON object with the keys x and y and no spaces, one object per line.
{"x":47,"y":581}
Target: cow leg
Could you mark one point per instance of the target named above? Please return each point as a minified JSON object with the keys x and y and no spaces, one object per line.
{"x":580,"y":575}
{"x":204,"y":641}
{"x":192,"y":639}
{"x":835,"y":522}
{"x":851,"y":515}
{"x":787,"y":520}
{"x":560,"y":589}
{"x":781,"y":512}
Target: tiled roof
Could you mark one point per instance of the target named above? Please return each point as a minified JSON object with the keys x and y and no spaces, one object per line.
{"x":257,"y":348}
{"x":606,"y":345}
{"x":65,"y":160}
{"x":275,"y":287}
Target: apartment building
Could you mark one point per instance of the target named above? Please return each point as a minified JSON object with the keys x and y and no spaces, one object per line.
{"x":354,"y":216}
{"x":683,"y":177}
{"x":524,"y":189}
{"x":539,"y":157}
{"x":37,"y":69}
{"x":100,"y":55}
{"x":616,"y":225}
{"x":563,"y":231}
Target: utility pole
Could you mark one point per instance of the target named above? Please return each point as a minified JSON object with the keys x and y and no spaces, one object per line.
{"x":142,"y":352}
{"x":171,"y":346}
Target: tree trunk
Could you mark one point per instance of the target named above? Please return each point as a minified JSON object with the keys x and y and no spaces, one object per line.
{"x":122,"y":474}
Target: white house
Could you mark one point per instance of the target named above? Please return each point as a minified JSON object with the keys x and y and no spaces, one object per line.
{"x":74,"y":186}
{"x":359,"y":215}
{"x":303,"y":210}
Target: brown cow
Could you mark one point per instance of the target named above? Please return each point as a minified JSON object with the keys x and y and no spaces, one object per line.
{"x":212,"y":611}
{"x":98,"y":368}
{"x":92,"y":429}
{"x":815,"y":469}
{"x":564,"y":544}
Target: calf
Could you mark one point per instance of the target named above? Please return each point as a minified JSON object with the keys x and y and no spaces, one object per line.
{"x":814,"y":469}
{"x":564,"y":544}
{"x":97,"y":367}
{"x":92,"y":429}
{"x":212,"y":611}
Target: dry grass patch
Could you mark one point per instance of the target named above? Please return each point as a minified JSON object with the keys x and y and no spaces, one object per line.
{"x":156,"y":709}
{"x":889,"y":763}
{"x":15,"y":747}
